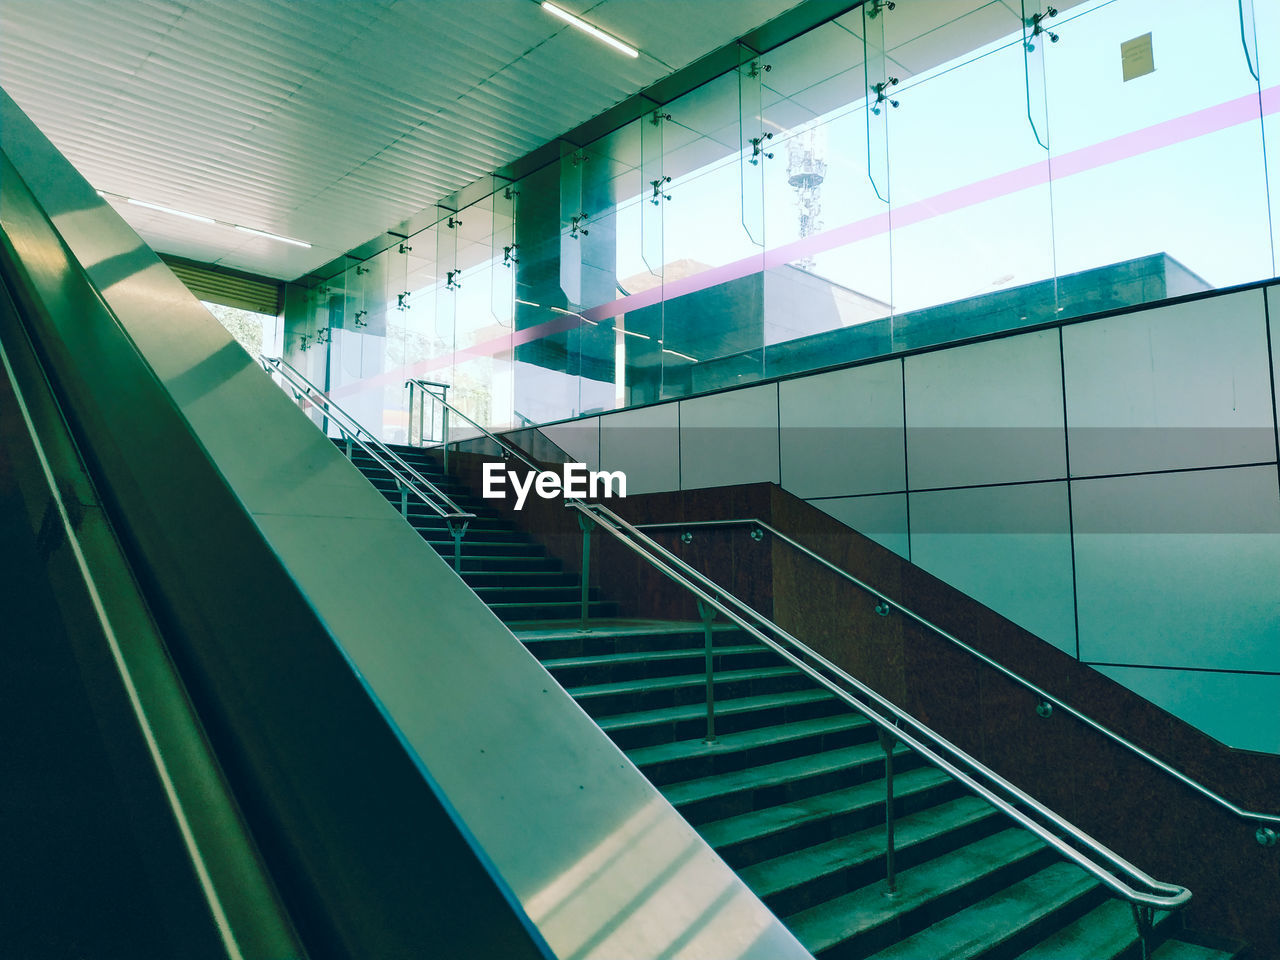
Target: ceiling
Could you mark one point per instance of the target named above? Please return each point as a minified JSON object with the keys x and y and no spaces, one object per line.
{"x":328,"y":121}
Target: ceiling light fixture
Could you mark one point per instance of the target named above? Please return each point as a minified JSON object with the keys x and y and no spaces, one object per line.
{"x":171,"y":211}
{"x":679,"y":354}
{"x":161,"y":208}
{"x":273,"y":236}
{"x":585,"y":27}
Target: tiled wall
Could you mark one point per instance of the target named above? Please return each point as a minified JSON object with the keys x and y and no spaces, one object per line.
{"x":1109,"y":485}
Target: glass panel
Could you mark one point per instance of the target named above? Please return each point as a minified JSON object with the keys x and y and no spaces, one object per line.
{"x":754,"y":143}
{"x":573,"y":221}
{"x":412,"y":342}
{"x":972,"y":236}
{"x":1159,"y":179}
{"x":827,"y":280}
{"x":878,"y":85}
{"x":712,"y":265}
{"x":1262,"y":30}
{"x":546,"y":351}
{"x":612,"y":189}
{"x":505,"y":252}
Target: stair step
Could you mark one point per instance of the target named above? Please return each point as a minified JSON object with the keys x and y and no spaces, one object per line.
{"x":493,"y":578}
{"x":643,"y":727}
{"x":789,"y":816}
{"x":649,"y":638}
{"x":728,"y":794}
{"x":471,"y":563}
{"x":648,"y":693}
{"x":802,"y":878}
{"x":1104,"y":933}
{"x":644,"y":757}
{"x":489,"y":548}
{"x":698,"y":680}
{"x":614,"y":666}
{"x":802,"y":866}
{"x":549,"y":593}
{"x":551,"y":610}
{"x":647,"y":656}
{"x":1182,"y":950}
{"x":866,"y":919}
{"x":1000,"y":919}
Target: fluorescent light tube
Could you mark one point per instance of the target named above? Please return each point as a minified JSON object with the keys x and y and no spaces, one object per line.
{"x":273,"y":236}
{"x":170,"y":210}
{"x":679,"y":354}
{"x":585,"y":27}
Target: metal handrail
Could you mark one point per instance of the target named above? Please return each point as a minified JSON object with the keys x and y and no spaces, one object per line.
{"x":903,"y":727}
{"x":1174,"y":895}
{"x":1040,"y":692}
{"x":406,"y":477}
{"x":507,"y":448}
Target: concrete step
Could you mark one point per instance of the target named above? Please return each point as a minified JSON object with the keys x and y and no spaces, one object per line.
{"x":1019,"y":913}
{"x":867,"y":920}
{"x":635,"y":665}
{"x":649,"y":693}
{"x":646,"y":727}
{"x":764,"y":834}
{"x":811,"y":875}
{"x":692,"y":759}
{"x":1107,"y":932}
{"x":729,"y":794}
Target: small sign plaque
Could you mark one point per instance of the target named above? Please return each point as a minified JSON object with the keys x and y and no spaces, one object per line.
{"x":1136,"y":57}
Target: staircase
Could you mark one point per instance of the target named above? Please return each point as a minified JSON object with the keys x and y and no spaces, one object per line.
{"x":792,"y":796}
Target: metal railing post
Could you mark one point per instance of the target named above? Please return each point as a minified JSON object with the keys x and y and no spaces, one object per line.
{"x":444,"y":433}
{"x":888,"y":742}
{"x":408,"y":431}
{"x":404,"y":500}
{"x":708,"y":615}
{"x":458,"y":530}
{"x":1144,"y":917}
{"x":586,"y":524}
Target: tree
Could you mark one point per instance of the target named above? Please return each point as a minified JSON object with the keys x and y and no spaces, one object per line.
{"x":244,"y":325}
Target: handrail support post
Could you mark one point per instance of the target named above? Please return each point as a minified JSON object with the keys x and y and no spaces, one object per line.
{"x":586,"y":524}
{"x":1144,"y":917}
{"x":444,"y":434}
{"x":888,"y":742}
{"x":457,"y":530}
{"x":708,"y":615}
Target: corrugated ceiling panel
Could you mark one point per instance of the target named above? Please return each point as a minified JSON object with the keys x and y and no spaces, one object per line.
{"x":330,"y":121}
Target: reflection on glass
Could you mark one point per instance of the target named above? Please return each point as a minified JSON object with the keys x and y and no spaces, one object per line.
{"x":898,"y":177}
{"x":1159,"y":183}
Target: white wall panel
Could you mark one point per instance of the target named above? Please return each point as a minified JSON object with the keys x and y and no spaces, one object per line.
{"x":986,"y":413}
{"x":881,"y":518}
{"x":1237,"y":708}
{"x":842,"y":432}
{"x":1273,"y":309}
{"x":1173,"y":387}
{"x":1007,"y":547}
{"x":1180,"y":569}
{"x":729,"y":438}
{"x":645,"y":445}
{"x":580,"y":439}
